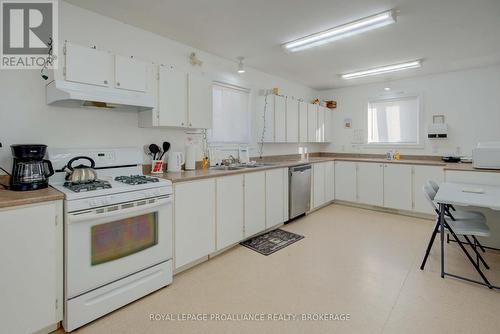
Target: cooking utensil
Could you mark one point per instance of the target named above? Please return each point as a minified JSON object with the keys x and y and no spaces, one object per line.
{"x":166,"y":147}
{"x":80,"y":173}
{"x":153,"y":148}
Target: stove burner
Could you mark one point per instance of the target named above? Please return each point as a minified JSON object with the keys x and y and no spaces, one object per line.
{"x":88,"y":186}
{"x":136,"y":179}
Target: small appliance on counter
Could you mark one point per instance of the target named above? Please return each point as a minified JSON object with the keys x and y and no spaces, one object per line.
{"x":30,"y":171}
{"x":191,"y":153}
{"x":451,"y":158}
{"x":486,"y":155}
{"x":243,"y":154}
{"x":175,"y":161}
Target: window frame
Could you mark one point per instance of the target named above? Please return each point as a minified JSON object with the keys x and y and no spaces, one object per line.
{"x":420,"y":121}
{"x":249,"y":116}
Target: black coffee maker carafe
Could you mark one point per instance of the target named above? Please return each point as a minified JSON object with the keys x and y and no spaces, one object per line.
{"x":29,"y":170}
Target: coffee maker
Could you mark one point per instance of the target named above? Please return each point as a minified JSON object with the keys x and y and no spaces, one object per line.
{"x":29,"y":170}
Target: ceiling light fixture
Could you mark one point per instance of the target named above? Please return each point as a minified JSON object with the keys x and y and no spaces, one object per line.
{"x":383,"y":70}
{"x":241,"y":66}
{"x":342,"y":31}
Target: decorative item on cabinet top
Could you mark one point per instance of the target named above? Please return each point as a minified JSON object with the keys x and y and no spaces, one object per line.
{"x":100,"y":79}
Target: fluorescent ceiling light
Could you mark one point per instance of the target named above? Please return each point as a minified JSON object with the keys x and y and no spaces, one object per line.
{"x":342,"y":31}
{"x":383,"y":69}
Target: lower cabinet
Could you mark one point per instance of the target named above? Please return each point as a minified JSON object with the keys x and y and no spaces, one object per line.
{"x":323,"y":183}
{"x":194,"y":219}
{"x":421,"y":175}
{"x":229,"y":210}
{"x":398,"y":189}
{"x":370,"y":183}
{"x":255,"y":203}
{"x":31,"y":258}
{"x":345,"y":181}
{"x":276,"y":196}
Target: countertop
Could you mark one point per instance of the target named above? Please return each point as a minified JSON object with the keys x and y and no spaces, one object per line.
{"x":285,"y":163}
{"x":9,"y":198}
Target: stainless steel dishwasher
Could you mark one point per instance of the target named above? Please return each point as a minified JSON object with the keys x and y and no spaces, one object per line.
{"x":299,"y":198}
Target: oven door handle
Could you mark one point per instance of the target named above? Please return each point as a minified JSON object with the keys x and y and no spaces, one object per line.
{"x":88,"y":215}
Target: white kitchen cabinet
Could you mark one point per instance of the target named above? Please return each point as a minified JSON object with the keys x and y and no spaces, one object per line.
{"x":88,"y":65}
{"x":312,"y":123}
{"x":172,"y":97}
{"x":31,"y":258}
{"x":370,"y":183}
{"x":130,"y":74}
{"x":303,"y":116}
{"x":275,"y":119}
{"x":320,"y":131}
{"x":229,"y":210}
{"x":422,"y":174}
{"x":255,"y":203}
{"x":329,"y":181}
{"x":199,"y":102}
{"x":194,"y":220}
{"x":398,"y":186}
{"x":292,"y":120}
{"x":319,"y":184}
{"x":276,"y":196}
{"x":328,"y":138}
{"x":345,"y":181}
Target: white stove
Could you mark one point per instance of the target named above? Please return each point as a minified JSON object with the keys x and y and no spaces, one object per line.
{"x":117,"y":235}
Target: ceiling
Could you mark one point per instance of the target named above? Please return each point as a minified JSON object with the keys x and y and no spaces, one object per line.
{"x":447,"y":34}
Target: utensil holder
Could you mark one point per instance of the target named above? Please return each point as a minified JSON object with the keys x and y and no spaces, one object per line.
{"x":157,"y":167}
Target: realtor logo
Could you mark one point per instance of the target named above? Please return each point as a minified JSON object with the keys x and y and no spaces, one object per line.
{"x":29,"y":34}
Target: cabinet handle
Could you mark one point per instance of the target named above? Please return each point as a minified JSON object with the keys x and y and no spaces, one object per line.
{"x":105,"y":82}
{"x":190,"y":124}
{"x":118,"y":84}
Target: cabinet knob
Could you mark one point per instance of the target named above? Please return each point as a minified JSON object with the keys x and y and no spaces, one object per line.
{"x":105,"y":82}
{"x":190,"y":124}
{"x":182,"y":123}
{"x":118,"y":84}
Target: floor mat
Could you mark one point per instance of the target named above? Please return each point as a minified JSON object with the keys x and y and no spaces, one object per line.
{"x":271,"y":242}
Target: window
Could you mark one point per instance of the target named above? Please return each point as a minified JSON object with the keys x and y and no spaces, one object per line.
{"x":394,"y":121}
{"x":231,"y":116}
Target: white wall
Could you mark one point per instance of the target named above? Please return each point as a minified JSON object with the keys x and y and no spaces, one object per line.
{"x":469,"y":99}
{"x":25,"y":117}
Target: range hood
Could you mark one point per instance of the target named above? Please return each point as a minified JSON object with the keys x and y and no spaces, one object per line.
{"x":72,"y":94}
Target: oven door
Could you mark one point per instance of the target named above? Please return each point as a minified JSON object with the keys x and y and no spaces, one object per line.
{"x":106,"y":244}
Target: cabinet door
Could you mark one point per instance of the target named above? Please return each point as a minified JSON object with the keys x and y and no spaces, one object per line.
{"x":398,"y":190}
{"x":312,"y":122}
{"x":200,"y":102}
{"x":345,"y":181}
{"x":130,"y":74}
{"x":303,"y":122}
{"x":421,"y":175}
{"x":329,"y":181}
{"x":30,"y":255}
{"x":292,"y":120}
{"x":275,"y":197}
{"x":328,"y":125}
{"x":255,"y":203}
{"x":370,"y":183}
{"x":194,"y":219}
{"x":229,"y":210}
{"x":89,"y":66}
{"x":320,"y":131}
{"x":319,"y":184}
{"x":279,"y":119}
{"x":267,"y":108}
{"x":172,"y":97}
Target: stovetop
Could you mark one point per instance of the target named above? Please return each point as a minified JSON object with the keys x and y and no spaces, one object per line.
{"x":136,"y":179}
{"x":87,"y":186}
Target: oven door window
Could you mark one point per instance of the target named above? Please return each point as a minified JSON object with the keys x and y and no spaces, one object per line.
{"x":124,"y":237}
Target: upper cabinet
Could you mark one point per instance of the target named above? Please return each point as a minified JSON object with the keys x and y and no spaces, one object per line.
{"x":302,"y":122}
{"x":312,"y":123}
{"x":292,"y":120}
{"x":88,"y":65}
{"x":184,"y":101}
{"x":130,"y":74}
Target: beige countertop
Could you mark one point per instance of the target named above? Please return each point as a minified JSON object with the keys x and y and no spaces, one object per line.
{"x":9,"y":198}
{"x":285,"y":163}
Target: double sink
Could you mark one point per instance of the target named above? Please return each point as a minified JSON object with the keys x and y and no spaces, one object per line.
{"x":241,"y":166}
